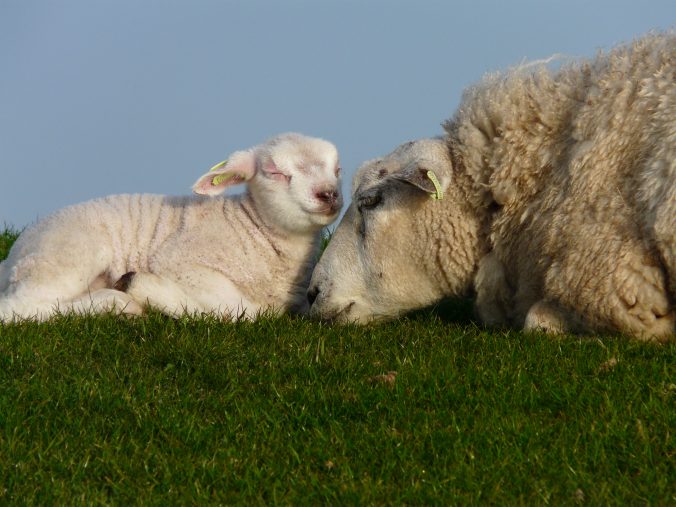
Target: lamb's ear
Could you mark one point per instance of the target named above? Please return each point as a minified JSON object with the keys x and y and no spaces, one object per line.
{"x":422,"y":178}
{"x":240,"y":167}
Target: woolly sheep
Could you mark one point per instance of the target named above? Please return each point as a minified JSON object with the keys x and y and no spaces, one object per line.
{"x":558,"y":206}
{"x":228,"y":256}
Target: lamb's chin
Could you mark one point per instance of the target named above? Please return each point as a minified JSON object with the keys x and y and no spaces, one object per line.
{"x":322,"y":213}
{"x":324,"y":219}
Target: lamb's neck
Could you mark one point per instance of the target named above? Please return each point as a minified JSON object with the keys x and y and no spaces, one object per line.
{"x":284,"y":244}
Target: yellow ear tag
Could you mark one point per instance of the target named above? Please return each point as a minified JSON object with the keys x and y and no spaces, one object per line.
{"x":438,"y":194}
{"x":219,"y":165}
{"x":221,"y":177}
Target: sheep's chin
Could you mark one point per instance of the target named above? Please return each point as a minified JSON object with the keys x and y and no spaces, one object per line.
{"x":333,"y":313}
{"x":349,"y":312}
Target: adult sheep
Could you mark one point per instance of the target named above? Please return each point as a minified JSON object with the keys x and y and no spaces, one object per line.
{"x":227,"y":256}
{"x":558,"y":208}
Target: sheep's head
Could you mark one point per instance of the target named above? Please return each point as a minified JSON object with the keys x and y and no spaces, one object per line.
{"x":294,"y":180}
{"x":388,"y":254}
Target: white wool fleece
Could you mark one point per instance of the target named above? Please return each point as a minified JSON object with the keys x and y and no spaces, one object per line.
{"x":228,"y":256}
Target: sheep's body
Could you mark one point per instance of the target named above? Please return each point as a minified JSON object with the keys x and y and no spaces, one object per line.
{"x":188,"y":254}
{"x":583,"y":164}
{"x":570,"y":181}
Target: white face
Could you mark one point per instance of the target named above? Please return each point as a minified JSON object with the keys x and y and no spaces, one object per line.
{"x":298,"y":180}
{"x":383,"y":258}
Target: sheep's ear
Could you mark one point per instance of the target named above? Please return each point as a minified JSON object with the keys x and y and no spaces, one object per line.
{"x":240,"y":167}
{"x":422,"y":178}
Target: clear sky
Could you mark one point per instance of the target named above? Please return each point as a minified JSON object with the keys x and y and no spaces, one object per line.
{"x":114,"y":96}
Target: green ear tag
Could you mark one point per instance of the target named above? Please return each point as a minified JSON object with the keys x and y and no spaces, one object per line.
{"x":438,"y":194}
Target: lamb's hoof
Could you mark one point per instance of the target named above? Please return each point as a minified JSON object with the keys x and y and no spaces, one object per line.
{"x":131,"y":309}
{"x":124,"y":282}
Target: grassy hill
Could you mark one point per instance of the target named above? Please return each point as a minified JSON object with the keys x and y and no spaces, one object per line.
{"x":429,"y":409}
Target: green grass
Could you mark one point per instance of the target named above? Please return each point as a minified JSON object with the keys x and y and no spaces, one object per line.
{"x":290,"y":411}
{"x":7,"y":238}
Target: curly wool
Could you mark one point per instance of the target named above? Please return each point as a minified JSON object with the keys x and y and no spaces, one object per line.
{"x":582,"y":163}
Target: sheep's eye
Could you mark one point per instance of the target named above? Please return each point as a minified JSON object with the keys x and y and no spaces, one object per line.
{"x":369,"y":201}
{"x":337,"y":171}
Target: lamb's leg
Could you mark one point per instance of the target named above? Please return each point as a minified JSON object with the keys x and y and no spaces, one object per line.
{"x":51,"y":265}
{"x":207,"y":293}
{"x":15,"y":308}
{"x":102,"y":301}
{"x":42,"y":304}
{"x":40,"y":297}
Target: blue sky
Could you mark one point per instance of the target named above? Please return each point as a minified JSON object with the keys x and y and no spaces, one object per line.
{"x":114,"y":96}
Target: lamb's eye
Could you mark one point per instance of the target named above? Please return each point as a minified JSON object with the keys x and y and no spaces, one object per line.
{"x":337,"y":171}
{"x":369,"y":201}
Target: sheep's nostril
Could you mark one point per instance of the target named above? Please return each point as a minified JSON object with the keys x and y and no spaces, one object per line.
{"x":312,"y":294}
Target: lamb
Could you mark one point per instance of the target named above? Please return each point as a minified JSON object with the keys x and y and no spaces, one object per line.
{"x":555,"y":204}
{"x":232,"y":257}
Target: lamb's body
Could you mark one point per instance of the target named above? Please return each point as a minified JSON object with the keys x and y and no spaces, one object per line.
{"x":560,"y":204}
{"x":189,"y":254}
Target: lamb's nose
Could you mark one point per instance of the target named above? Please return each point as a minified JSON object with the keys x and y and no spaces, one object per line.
{"x":327,"y":196}
{"x":312,"y":294}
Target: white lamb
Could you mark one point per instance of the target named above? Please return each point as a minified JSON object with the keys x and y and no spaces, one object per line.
{"x":227,"y":256}
{"x":556,"y":203}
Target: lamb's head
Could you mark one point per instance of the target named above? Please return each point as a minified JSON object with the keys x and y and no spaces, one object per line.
{"x":394,"y":249}
{"x":293,"y":179}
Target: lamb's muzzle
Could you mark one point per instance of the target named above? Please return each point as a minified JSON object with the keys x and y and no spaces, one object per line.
{"x":329,"y":199}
